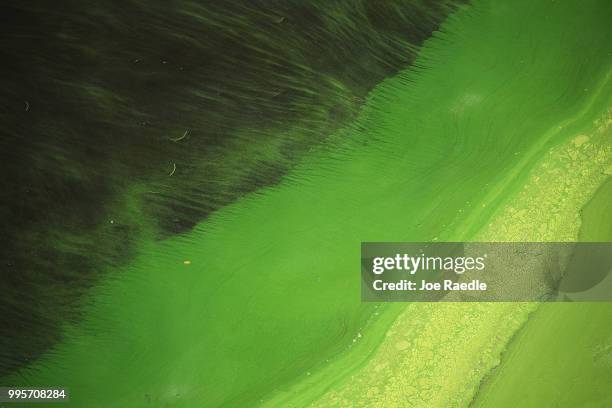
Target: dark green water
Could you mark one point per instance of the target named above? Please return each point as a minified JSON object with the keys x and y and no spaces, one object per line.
{"x":126,"y":120}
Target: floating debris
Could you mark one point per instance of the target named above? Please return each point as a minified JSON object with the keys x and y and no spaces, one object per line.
{"x":173,"y":169}
{"x":186,"y":262}
{"x":27,"y":106}
{"x":185,"y":134}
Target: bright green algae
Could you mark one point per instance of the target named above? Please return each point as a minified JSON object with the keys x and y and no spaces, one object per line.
{"x":566,"y":347}
{"x":597,"y":215}
{"x":561,"y":358}
{"x":271,"y":289}
{"x":436,"y":354}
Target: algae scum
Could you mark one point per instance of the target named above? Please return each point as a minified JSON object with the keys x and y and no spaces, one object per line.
{"x":187,"y":187}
